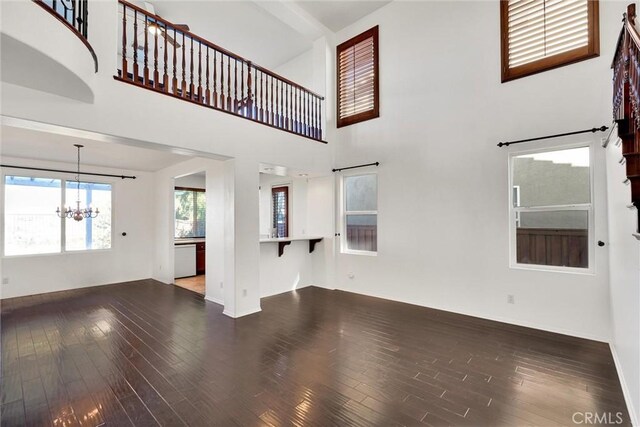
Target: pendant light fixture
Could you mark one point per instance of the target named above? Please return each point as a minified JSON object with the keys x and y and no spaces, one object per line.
{"x":77,"y":213}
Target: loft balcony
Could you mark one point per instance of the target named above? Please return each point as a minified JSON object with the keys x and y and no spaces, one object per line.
{"x":74,"y":14}
{"x":167,"y":58}
{"x":45,"y":47}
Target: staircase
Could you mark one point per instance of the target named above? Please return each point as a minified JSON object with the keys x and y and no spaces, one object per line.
{"x":626,"y":99}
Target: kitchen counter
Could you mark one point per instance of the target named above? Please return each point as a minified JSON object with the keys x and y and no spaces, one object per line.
{"x":288,"y":239}
{"x":284,"y":241}
{"x":192,"y":241}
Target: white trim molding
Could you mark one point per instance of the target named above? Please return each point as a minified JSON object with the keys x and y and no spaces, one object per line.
{"x":624,"y":386}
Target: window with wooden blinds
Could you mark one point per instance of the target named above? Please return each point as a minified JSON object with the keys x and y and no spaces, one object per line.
{"x":538,"y":35}
{"x":357,"y":77}
{"x":280,"y":215}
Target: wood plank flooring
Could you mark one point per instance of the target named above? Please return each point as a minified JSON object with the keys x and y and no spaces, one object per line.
{"x":194,"y":283}
{"x":144,"y":353}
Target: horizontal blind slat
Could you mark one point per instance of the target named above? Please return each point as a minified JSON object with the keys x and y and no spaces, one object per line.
{"x":541,"y":28}
{"x":356,"y":78}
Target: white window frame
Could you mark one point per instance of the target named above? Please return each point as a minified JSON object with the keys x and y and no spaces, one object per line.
{"x":514,"y":216}
{"x":63,"y":230}
{"x":343,"y":215}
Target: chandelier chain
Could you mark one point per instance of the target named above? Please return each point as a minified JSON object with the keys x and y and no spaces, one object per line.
{"x":77,"y":214}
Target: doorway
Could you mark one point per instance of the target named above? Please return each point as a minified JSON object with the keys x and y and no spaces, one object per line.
{"x":190,"y":221}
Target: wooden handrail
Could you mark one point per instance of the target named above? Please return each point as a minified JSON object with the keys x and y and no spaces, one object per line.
{"x":81,"y":33}
{"x":630,"y":24}
{"x":167,"y":58}
{"x":626,"y":100}
{"x":218,"y":48}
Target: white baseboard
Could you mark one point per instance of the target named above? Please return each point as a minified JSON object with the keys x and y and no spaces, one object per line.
{"x":625,"y":388}
{"x":242,"y":313}
{"x":323,"y":286}
{"x":217,"y":301}
{"x":510,"y":321}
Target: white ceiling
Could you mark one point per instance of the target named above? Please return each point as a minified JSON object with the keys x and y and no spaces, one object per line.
{"x":336,"y":15}
{"x":37,"y":145}
{"x":266,"y":32}
{"x":241,"y":27}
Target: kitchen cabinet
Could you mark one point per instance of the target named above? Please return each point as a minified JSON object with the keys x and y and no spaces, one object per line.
{"x":200,"y":258}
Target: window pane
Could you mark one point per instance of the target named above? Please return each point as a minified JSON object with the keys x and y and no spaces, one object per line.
{"x":553,"y":178}
{"x":557,"y":238}
{"x":201,"y":214}
{"x":90,"y":233}
{"x":361,"y":192}
{"x":281,"y":211}
{"x":31,"y":225}
{"x":362,"y":232}
{"x":184,"y":213}
{"x":191,"y":213}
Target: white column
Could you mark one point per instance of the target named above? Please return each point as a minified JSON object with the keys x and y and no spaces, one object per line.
{"x":215,"y":249}
{"x":242,"y":233}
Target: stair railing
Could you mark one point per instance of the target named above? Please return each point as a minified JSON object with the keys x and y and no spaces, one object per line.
{"x":167,"y":58}
{"x":75,"y":15}
{"x":626,"y":99}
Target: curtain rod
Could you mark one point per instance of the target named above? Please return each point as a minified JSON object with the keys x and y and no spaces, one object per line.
{"x":65,"y":171}
{"x":592,"y":130}
{"x":354,"y":167}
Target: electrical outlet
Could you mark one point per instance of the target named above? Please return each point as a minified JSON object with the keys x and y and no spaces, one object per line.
{"x":511,"y":299}
{"x":244,"y":292}
{"x":5,"y":280}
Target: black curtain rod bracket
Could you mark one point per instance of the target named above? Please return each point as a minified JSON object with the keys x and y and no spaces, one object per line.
{"x":354,"y":167}
{"x":73,"y":172}
{"x":592,"y":130}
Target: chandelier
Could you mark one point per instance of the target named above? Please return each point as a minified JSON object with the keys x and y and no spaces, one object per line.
{"x":77,"y":213}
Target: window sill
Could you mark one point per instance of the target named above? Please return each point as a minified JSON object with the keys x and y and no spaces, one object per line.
{"x":353,"y":252}
{"x":553,"y":269}
{"x":63,"y":253}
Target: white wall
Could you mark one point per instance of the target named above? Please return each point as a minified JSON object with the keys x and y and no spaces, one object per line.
{"x":36,"y":58}
{"x":299,"y":69}
{"x":192,"y":181}
{"x":128,"y":259}
{"x":309,"y":216}
{"x":624,"y":255}
{"x":443,"y":184}
{"x":321,"y":222}
{"x":297,"y":203}
{"x":293,"y":270}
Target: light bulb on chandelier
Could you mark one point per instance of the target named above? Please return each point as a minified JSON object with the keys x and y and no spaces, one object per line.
{"x":78,"y":213}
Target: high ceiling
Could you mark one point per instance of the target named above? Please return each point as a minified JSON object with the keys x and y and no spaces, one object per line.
{"x":259,"y":30}
{"x":336,"y":15}
{"x":37,"y":145}
{"x":241,"y":27}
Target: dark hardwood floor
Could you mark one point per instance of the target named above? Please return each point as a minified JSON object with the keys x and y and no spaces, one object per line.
{"x":145,"y":353}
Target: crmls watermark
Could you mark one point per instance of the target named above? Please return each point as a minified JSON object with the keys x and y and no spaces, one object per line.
{"x":599,"y":418}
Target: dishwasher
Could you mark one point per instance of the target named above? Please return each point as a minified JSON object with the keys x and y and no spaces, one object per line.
{"x":185,"y":261}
